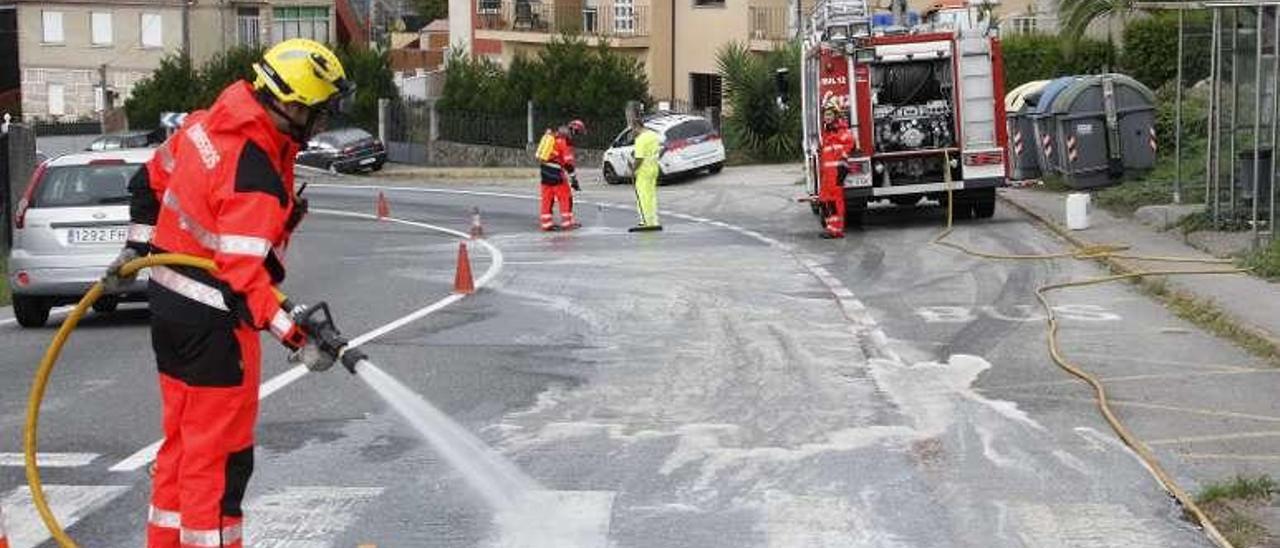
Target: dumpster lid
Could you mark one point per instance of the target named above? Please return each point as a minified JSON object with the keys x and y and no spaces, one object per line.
{"x":1063,"y":102}
{"x":1015,"y":100}
{"x":1049,"y":92}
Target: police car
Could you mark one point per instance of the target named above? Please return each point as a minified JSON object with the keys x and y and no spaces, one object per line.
{"x":689,"y":144}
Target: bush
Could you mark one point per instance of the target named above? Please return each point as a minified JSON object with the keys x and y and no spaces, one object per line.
{"x":568,"y":79}
{"x":1030,"y":57}
{"x":171,"y":88}
{"x":753,"y":123}
{"x":370,"y":70}
{"x":1151,"y":49}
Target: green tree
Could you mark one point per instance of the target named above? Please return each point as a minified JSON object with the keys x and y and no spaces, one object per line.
{"x":171,"y":88}
{"x":224,"y":68}
{"x":1151,"y":49}
{"x":1029,"y":57}
{"x":753,"y":123}
{"x":431,"y":10}
{"x":370,"y":70}
{"x":1076,"y":16}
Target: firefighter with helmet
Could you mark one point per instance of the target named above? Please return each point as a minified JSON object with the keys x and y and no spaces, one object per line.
{"x":558,"y":175}
{"x":233,"y":201}
{"x":837,"y":144}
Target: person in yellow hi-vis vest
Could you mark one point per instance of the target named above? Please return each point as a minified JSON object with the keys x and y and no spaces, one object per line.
{"x":645,"y":169}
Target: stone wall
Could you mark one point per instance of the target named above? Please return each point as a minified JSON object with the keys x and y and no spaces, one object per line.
{"x":78,"y":91}
{"x":450,"y":154}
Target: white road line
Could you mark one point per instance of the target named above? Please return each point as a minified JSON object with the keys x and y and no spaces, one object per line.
{"x":304,"y":517}
{"x":145,"y":455}
{"x":559,"y":519}
{"x":49,"y":460}
{"x":69,"y":503}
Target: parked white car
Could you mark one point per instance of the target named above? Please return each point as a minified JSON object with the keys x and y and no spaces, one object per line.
{"x":689,"y":144}
{"x":68,"y":227}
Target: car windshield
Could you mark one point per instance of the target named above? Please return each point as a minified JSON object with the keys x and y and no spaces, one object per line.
{"x":85,"y":185}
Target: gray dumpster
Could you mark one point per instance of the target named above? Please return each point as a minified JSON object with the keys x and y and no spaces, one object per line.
{"x":1105,"y":126}
{"x":1047,"y":146}
{"x":1244,"y":174}
{"x":1023,"y":162}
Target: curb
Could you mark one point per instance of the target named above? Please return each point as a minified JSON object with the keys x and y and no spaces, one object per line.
{"x":1157,"y":290}
{"x":458,"y":173}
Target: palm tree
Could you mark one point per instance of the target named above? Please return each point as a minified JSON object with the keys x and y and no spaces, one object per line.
{"x":1075,"y":17}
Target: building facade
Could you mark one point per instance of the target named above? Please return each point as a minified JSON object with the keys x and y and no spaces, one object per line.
{"x":676,"y":40}
{"x":68,"y":49}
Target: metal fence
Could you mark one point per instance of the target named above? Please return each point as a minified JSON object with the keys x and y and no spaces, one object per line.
{"x":484,"y":128}
{"x":88,"y":127}
{"x":406,"y":129}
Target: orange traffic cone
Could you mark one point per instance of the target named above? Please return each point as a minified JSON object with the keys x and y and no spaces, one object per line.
{"x":4,"y":540}
{"x":384,"y":208}
{"x":477,"y":231}
{"x":462,"y":282}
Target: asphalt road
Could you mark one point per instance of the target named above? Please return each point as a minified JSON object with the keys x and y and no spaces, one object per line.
{"x":731,"y":382}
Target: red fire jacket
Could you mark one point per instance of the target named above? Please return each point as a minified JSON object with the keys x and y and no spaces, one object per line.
{"x":231,"y":200}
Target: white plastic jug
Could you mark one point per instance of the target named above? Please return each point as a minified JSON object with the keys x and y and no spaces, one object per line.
{"x":1078,"y":210}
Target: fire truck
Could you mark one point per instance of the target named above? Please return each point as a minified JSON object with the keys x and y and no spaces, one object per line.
{"x":923,"y":100}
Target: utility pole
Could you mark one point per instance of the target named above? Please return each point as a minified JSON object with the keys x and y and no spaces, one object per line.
{"x":106,"y":97}
{"x":186,"y":28}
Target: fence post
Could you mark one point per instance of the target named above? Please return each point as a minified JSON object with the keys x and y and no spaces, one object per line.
{"x":433,"y":122}
{"x":384,"y":107}
{"x":528,"y":124}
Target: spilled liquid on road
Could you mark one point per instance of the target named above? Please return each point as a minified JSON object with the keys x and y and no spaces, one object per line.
{"x":526,"y":515}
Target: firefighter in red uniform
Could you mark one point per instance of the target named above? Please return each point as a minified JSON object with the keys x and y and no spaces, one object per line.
{"x":558,"y":175}
{"x":232,"y":200}
{"x":837,"y":144}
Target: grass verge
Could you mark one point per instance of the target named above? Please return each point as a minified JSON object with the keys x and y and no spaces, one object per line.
{"x":1230,"y":505}
{"x":1265,"y":262}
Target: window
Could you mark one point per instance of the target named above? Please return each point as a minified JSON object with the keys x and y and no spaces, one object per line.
{"x":624,"y":18}
{"x":57,"y":106}
{"x":705,"y":90}
{"x":708,"y":3}
{"x":52,"y":27}
{"x":300,"y":22}
{"x":100,"y":26}
{"x":590,"y":20}
{"x":248,"y":27}
{"x":98,"y":102}
{"x":152,"y":31}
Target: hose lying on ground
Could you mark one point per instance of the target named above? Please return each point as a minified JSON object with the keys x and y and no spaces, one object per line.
{"x":46,"y":369}
{"x":1055,"y":351}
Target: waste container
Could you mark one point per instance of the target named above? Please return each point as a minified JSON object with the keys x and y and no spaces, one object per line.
{"x":1046,"y":139}
{"x":1105,"y":128}
{"x":1244,"y":174}
{"x":1023,"y":162}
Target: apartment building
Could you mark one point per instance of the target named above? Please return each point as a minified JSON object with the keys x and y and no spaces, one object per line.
{"x":676,"y":40}
{"x":67,"y":49}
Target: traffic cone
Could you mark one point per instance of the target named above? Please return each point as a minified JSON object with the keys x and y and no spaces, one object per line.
{"x":462,"y":282}
{"x":4,"y":540}
{"x":477,"y":231}
{"x":384,"y":208}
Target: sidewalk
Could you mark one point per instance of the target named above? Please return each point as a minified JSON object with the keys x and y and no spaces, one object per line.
{"x":1248,"y":304}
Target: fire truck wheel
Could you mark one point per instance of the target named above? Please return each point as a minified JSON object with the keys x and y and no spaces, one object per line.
{"x":984,"y":208}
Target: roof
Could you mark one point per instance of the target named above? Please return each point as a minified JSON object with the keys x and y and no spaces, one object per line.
{"x":666,"y":120}
{"x":129,"y":155}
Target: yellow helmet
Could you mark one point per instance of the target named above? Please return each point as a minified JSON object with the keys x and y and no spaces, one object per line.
{"x":302,"y":71}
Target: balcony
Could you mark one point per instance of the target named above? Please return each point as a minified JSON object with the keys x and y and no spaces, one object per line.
{"x":768,"y":25}
{"x":619,"y":22}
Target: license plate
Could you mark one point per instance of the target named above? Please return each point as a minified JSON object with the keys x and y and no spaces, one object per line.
{"x":105,"y":235}
{"x":368,"y":161}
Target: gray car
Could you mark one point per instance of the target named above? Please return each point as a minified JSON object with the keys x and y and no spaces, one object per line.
{"x":70,"y":224}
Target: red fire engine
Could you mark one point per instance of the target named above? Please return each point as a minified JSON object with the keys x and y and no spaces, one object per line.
{"x":922,"y":99}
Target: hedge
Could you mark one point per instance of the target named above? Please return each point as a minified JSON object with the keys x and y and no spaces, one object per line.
{"x":1029,"y":57}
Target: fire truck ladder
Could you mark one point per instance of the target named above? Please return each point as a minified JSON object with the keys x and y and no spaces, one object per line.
{"x":976,"y":92}
{"x":828,"y":14}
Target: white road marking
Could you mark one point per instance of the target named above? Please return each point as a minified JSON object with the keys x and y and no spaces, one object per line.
{"x":1025,"y":313}
{"x":69,"y":503}
{"x":304,"y":517}
{"x":556,"y":519}
{"x":145,"y":455}
{"x":49,"y":460}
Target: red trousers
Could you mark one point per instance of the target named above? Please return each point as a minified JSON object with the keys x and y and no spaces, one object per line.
{"x":553,"y":194}
{"x":209,"y":386}
{"x":831,"y":201}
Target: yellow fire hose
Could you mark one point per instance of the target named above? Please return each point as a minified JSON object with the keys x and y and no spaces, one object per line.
{"x":46,"y":368}
{"x":1055,"y":351}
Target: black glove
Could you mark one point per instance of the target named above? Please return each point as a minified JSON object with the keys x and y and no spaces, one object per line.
{"x":313,"y":357}
{"x":113,"y":282}
{"x":573,"y":182}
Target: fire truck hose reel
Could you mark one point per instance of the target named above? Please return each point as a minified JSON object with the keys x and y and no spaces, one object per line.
{"x":316,"y":322}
